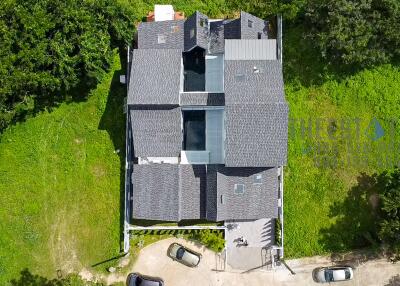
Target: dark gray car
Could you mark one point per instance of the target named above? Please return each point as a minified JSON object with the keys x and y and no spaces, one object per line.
{"x":136,"y":279}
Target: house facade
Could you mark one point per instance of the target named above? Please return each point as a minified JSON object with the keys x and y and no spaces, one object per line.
{"x":207,"y":120}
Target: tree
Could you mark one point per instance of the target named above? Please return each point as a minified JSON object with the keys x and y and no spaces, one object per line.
{"x":355,"y":33}
{"x":267,"y":8}
{"x":48,"y":47}
{"x":389,"y":223}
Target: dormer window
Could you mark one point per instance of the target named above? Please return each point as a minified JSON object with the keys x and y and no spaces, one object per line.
{"x":250,"y":23}
{"x":161,"y":39}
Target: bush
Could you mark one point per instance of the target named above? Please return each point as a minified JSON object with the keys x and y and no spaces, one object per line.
{"x":213,"y":239}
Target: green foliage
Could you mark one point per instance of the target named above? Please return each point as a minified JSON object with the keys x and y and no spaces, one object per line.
{"x":213,"y":239}
{"x":60,"y":181}
{"x":356,"y":33}
{"x":28,"y":279}
{"x":48,"y":47}
{"x":278,"y":232}
{"x":390,"y":212}
{"x":326,"y":209}
{"x":268,"y":8}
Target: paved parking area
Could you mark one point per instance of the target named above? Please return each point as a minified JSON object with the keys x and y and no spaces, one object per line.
{"x":259,"y":235}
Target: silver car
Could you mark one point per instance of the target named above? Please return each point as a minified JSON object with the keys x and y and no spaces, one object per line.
{"x":332,"y":274}
{"x":183,"y":255}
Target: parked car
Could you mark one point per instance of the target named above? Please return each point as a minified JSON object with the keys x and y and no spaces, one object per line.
{"x":136,"y":279}
{"x":184,"y":255}
{"x":332,"y":274}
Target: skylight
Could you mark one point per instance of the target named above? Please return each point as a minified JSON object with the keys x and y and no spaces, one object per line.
{"x":239,"y":189}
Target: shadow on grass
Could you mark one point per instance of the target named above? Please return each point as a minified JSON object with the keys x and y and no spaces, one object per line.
{"x":355,"y":218}
{"x":113,"y":121}
{"x":28,"y":279}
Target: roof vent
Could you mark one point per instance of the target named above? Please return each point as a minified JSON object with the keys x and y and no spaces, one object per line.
{"x":239,"y":189}
{"x":162,"y":39}
{"x":256,"y":69}
{"x":239,"y":77}
{"x":258,"y":179}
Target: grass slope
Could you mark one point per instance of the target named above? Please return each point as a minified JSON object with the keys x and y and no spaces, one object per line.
{"x":329,"y":207}
{"x":60,"y":185}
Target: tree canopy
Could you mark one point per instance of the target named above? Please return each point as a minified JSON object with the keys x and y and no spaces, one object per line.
{"x":356,"y":33}
{"x":48,"y":47}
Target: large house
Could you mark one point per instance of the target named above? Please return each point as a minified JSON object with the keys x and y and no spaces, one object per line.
{"x":207,"y":120}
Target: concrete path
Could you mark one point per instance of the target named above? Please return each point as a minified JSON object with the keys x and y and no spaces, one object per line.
{"x":154,"y":261}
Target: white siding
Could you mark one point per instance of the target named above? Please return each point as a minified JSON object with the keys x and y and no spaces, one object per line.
{"x":215,"y":73}
{"x":250,"y":49}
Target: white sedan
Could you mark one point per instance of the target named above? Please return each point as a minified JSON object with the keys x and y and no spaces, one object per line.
{"x":333,"y":274}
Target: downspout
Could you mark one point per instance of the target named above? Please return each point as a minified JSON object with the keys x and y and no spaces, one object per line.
{"x":127,"y":163}
{"x":279,"y":38}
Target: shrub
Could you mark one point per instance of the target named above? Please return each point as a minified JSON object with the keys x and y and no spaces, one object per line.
{"x":213,"y":239}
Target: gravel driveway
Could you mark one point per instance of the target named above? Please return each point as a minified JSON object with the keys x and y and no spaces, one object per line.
{"x":154,"y":261}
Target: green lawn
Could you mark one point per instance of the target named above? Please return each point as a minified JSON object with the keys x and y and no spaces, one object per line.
{"x":60,"y":183}
{"x":327,"y":196}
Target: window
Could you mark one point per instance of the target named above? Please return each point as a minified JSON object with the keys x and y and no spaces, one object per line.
{"x":250,"y":23}
{"x":203,"y":22}
{"x":259,"y":35}
{"x":162,"y":39}
{"x":191,"y":33}
{"x":239,"y":189}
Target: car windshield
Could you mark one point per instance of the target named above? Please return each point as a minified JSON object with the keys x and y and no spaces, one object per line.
{"x":180,"y":253}
{"x":328,"y":275}
{"x":347,"y":274}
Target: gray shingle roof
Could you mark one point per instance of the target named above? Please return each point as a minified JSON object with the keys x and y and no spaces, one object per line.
{"x":258,"y":26}
{"x":196,"y":31}
{"x":176,"y":192}
{"x":202,"y":98}
{"x":155,"y":77}
{"x":150,"y":34}
{"x":192,"y":191}
{"x":244,"y":85}
{"x":156,"y":132}
{"x":169,"y":192}
{"x":156,"y":192}
{"x":217,"y":37}
{"x":256,"y":135}
{"x":259,"y":198}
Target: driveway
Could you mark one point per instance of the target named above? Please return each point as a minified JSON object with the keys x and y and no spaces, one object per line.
{"x":154,"y":261}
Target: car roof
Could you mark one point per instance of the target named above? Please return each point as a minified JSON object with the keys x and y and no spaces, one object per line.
{"x":338,"y":274}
